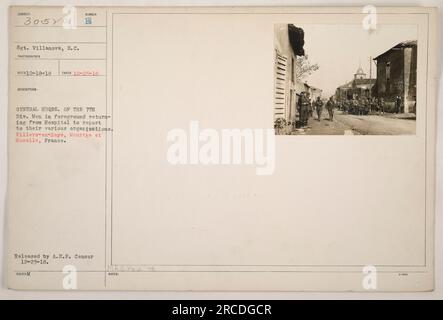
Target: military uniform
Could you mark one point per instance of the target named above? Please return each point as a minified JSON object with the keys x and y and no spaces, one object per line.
{"x":381,"y":105}
{"x":365,"y":106}
{"x":398,"y":103}
{"x":303,"y":109}
{"x":346,"y":106}
{"x":355,"y":106}
{"x":374,"y":104}
{"x":330,"y":107}
{"x":311,"y":109}
{"x":318,"y":108}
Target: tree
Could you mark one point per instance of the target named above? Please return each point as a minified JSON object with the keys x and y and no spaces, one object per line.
{"x":303,"y":67}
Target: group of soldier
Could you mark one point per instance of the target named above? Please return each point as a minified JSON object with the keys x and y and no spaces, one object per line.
{"x":356,"y":106}
{"x":362,"y":105}
{"x":306,"y":108}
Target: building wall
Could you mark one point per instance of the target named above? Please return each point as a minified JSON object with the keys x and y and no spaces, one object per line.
{"x":350,"y":93}
{"x":389,"y":88}
{"x":287,"y":89}
{"x":410,"y":78}
{"x":315,"y":92}
{"x":343,"y":93}
{"x":402,"y":82}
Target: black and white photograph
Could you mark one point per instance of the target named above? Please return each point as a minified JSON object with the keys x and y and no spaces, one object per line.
{"x":341,"y":79}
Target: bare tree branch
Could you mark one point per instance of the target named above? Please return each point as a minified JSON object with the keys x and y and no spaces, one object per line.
{"x":303,"y":67}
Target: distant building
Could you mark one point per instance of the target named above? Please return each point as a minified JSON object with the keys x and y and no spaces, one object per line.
{"x":360,"y":86}
{"x":289,"y":41}
{"x":312,"y":91}
{"x":397,"y":75}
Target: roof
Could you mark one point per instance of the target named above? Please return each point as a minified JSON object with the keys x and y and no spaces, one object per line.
{"x":366,"y":85}
{"x":347,"y":85}
{"x":362,"y":83}
{"x":401,"y":45}
{"x":310,"y":87}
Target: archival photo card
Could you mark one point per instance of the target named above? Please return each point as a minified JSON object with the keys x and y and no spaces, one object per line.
{"x":345,"y":79}
{"x":154,"y":148}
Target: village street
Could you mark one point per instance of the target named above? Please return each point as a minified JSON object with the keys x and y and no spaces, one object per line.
{"x":347,"y":124}
{"x":388,"y":83}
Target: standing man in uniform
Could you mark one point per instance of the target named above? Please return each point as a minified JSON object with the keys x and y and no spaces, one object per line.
{"x":398,"y":104}
{"x":299,"y":108}
{"x":303,"y":106}
{"x":366,"y":105}
{"x":318,"y":107}
{"x":310,"y":111}
{"x":374,"y":104}
{"x":381,"y":105}
{"x":355,"y":108}
{"x":362,"y":105}
{"x":311,"y":108}
{"x":330,"y":106}
{"x":346,"y":106}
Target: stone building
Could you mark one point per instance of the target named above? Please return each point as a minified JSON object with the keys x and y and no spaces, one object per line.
{"x":313,"y":92}
{"x":397,"y":76}
{"x":360,"y":86}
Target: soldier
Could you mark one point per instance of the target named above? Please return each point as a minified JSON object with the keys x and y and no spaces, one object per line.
{"x":330,"y":106}
{"x":308,"y":101}
{"x":303,"y":109}
{"x":340,"y":104}
{"x":374,"y":104}
{"x":361,"y":106}
{"x":366,"y":106}
{"x":354,"y":107}
{"x":381,"y":106}
{"x":346,"y":106}
{"x":311,"y":110}
{"x":398,"y":102}
{"x":318,"y":107}
{"x":299,"y":108}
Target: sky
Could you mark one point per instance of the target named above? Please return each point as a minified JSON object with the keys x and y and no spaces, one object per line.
{"x":340,"y":49}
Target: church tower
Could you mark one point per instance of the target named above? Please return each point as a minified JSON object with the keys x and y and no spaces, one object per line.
{"x":360,"y":74}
